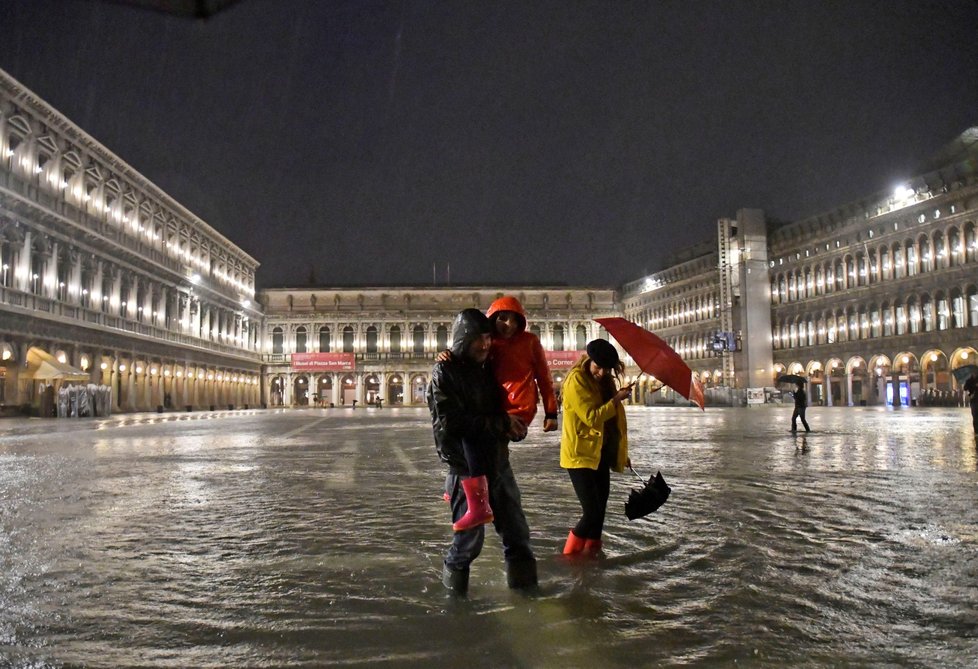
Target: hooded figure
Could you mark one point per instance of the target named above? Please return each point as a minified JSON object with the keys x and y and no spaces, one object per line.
{"x":466,"y":415}
{"x":519,"y":363}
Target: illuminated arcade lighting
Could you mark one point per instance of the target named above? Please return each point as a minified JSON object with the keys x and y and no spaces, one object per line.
{"x":122,"y":368}
{"x":104,"y":365}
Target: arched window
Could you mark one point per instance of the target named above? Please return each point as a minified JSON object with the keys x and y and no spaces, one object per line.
{"x":927,"y":312}
{"x":886,"y":267}
{"x":395,"y":339}
{"x":911,"y":260}
{"x":875,"y":322}
{"x":972,"y":301}
{"x":926,"y":258}
{"x":418,"y":336}
{"x":898,"y":262}
{"x":956,"y":252}
{"x":581,"y":337}
{"x":959,"y":318}
{"x":914,"y":310}
{"x":348,"y":339}
{"x":558,"y":338}
{"x":441,"y":338}
{"x":535,"y":329}
{"x":970,"y":243}
{"x":940,"y":253}
{"x":277,"y":339}
{"x":371,"y":339}
{"x":324,"y":339}
{"x":300,"y":340}
{"x":943,"y":311}
{"x":901,"y":319}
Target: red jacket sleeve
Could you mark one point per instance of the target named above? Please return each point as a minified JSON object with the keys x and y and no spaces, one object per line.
{"x":544,"y":382}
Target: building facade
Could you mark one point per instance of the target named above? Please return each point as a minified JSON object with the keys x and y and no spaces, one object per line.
{"x":106,"y":278}
{"x":331,"y":346}
{"x":102,"y":270}
{"x":875,"y":302}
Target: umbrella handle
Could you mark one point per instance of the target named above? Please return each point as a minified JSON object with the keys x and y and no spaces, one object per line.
{"x":632,"y":469}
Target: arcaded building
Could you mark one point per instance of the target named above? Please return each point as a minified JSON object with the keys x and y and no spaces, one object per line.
{"x":105,"y":279}
{"x":878,"y":299}
{"x":334,"y":346}
{"x":874,"y":302}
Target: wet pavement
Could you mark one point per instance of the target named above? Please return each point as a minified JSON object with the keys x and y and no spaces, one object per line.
{"x":314,"y":538}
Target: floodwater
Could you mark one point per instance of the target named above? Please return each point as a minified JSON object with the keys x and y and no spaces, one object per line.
{"x":314,"y":538}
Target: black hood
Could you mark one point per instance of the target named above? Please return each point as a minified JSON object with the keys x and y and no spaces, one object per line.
{"x":469,"y":325}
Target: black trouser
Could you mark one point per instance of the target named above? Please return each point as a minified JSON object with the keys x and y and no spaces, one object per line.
{"x":476,"y":458}
{"x":507,"y":509}
{"x":799,"y":413}
{"x":974,"y":417}
{"x":592,"y":487}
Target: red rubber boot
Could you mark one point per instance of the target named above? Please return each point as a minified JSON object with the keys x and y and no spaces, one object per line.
{"x":477,"y":498}
{"x":574,"y":544}
{"x":592,"y":547}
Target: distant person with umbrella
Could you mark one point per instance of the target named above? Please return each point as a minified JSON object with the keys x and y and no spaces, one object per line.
{"x":801,"y":404}
{"x":971,"y":387}
{"x":594,"y":439}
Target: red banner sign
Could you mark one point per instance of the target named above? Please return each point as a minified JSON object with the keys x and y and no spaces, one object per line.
{"x":323,"y":362}
{"x":562,"y":359}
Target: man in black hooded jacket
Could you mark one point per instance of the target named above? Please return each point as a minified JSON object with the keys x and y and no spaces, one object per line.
{"x":465,"y":407}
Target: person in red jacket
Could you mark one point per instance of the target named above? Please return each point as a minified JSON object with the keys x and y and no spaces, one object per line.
{"x":519,"y":366}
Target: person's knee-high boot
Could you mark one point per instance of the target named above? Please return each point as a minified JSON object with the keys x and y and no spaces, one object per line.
{"x":574,"y":544}
{"x":477,"y":498}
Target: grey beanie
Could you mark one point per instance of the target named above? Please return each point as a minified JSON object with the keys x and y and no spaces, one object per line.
{"x":602,"y":353}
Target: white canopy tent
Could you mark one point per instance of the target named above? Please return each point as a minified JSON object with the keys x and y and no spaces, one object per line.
{"x":43,"y":366}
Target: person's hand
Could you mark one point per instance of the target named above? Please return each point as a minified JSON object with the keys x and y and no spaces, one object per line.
{"x":443,"y":356}
{"x":517,"y":429}
{"x":623,"y":394}
{"x":549,"y":424}
{"x":628,"y":462}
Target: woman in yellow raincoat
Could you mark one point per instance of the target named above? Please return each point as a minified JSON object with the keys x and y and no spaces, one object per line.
{"x":594,"y":438}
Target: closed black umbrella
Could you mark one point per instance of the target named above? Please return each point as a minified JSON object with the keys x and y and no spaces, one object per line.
{"x":653,"y":495}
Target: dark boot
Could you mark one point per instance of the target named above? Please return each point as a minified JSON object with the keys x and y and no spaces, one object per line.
{"x":522,"y":574}
{"x":456,"y":580}
{"x":477,"y":499}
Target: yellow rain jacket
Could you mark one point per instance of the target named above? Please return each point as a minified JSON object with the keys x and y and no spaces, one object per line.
{"x":584,"y":418}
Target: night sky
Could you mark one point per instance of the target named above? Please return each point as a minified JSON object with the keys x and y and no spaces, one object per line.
{"x":521,"y":142}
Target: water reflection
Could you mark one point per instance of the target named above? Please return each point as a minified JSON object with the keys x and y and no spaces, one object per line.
{"x":315,"y":537}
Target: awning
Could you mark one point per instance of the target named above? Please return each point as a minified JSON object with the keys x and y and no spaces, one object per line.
{"x":43,"y":366}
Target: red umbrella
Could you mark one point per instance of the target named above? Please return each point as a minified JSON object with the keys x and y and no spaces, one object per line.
{"x":654,"y":356}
